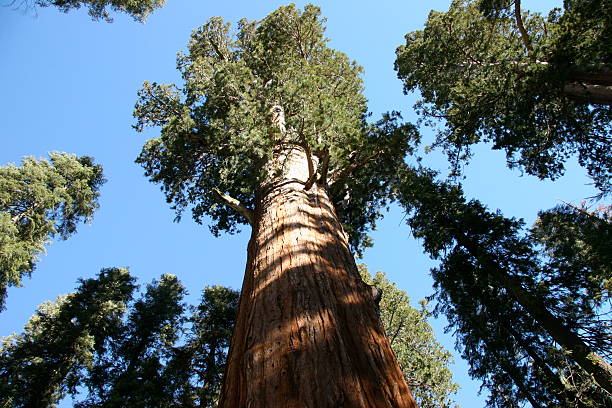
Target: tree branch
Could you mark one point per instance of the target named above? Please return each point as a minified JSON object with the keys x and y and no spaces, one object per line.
{"x":324,"y":168}
{"x":589,"y":93}
{"x":215,"y":46}
{"x":234,"y":204}
{"x":519,"y":23}
{"x":312,"y":174}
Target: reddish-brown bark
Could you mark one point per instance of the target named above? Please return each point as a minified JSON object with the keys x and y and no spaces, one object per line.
{"x":307,"y":333}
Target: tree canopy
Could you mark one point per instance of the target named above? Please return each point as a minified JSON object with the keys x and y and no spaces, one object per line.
{"x":155,"y":351}
{"x":424,"y":362}
{"x":272,"y":84}
{"x":99,"y":9}
{"x":39,"y":200}
{"x":532,"y":323}
{"x":539,"y":88}
{"x":106,"y":350}
{"x":46,"y":362}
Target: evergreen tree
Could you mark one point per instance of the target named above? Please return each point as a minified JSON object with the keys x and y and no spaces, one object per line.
{"x":150,"y":353}
{"x":422,"y":359}
{"x":44,"y":363}
{"x":538,"y":88}
{"x":516,"y":323}
{"x":131,"y":372}
{"x":578,"y":266}
{"x":99,"y":9}
{"x":39,"y":200}
{"x":270,"y":130}
{"x":196,"y":368}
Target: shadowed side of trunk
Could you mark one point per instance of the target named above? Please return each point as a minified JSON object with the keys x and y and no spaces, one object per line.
{"x":307,"y":333}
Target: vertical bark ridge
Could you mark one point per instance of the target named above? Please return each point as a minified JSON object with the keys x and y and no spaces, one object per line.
{"x":307,"y":333}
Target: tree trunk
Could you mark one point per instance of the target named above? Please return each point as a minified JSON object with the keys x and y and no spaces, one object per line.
{"x":307,"y":332}
{"x":577,"y":349}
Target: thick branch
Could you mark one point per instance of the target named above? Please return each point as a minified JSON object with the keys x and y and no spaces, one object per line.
{"x":278,"y":118}
{"x":324,"y":169}
{"x":590,"y":93}
{"x":234,"y":204}
{"x":218,"y":51}
{"x":519,"y":23}
{"x":592,"y":75}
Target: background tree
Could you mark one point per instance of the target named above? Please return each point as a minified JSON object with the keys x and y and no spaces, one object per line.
{"x":46,"y":362}
{"x":145,"y":353}
{"x":131,"y":371}
{"x":516,"y":323}
{"x":270,"y":129}
{"x":538,"y":88}
{"x":151,"y":353}
{"x":98,"y":9}
{"x":578,"y":263}
{"x":422,"y":359}
{"x":39,"y":200}
{"x":162,"y":357}
{"x":206,"y":347}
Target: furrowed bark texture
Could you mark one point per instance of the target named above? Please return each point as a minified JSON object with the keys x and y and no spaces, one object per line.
{"x":307,"y":332}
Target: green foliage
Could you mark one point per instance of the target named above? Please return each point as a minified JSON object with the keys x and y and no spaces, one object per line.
{"x":147,"y":353}
{"x":98,"y":9}
{"x":131,"y":372}
{"x":39,"y":200}
{"x":271,"y":85}
{"x":482,"y":81}
{"x":161,"y":357}
{"x":497,"y":332}
{"x":422,"y":359}
{"x":151,"y":353}
{"x":577,"y":267}
{"x":198,"y":366}
{"x":44,"y":363}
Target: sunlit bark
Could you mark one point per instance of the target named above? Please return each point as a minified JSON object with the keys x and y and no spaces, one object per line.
{"x":307,"y":333}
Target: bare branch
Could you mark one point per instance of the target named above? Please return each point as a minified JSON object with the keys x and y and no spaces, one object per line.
{"x":234,"y":204}
{"x":519,"y":23}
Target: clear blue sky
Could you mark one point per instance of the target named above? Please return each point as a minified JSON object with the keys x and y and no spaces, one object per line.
{"x":69,"y":84}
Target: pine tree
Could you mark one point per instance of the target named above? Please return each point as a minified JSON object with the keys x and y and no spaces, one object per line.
{"x":132,"y":371}
{"x":39,"y":200}
{"x":538,"y":88}
{"x":46,"y":362}
{"x":270,"y":130}
{"x":525,"y":320}
{"x":207,"y":344}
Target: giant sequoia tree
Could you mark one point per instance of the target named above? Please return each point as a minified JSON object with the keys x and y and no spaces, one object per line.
{"x":538,"y":88}
{"x":270,"y":130}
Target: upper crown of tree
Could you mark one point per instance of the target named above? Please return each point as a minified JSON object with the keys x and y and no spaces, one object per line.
{"x":273,"y":84}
